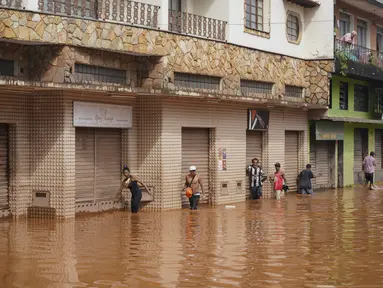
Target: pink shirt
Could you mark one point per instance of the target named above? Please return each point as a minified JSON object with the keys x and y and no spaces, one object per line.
{"x":369,"y":164}
{"x":347,"y":38}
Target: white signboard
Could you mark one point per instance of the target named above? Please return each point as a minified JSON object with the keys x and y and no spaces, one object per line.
{"x":88,"y":114}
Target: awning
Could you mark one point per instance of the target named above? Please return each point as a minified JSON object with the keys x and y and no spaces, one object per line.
{"x":305,"y":3}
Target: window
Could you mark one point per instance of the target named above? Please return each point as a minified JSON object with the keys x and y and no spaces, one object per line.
{"x":362,"y":32}
{"x":254,"y":14}
{"x":7,"y":67}
{"x":175,"y":5}
{"x":294,"y":91}
{"x":292,"y":27}
{"x":95,"y":74}
{"x":330,"y":95}
{"x":250,"y":86}
{"x":343,"y":96}
{"x":379,"y":40}
{"x":360,"y":98}
{"x":195,"y":81}
{"x":344,"y":24}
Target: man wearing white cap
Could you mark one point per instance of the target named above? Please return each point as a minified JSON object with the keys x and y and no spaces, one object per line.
{"x":193,"y":181}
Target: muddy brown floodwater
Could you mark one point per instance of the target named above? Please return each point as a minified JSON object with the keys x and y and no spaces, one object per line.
{"x":333,"y":239}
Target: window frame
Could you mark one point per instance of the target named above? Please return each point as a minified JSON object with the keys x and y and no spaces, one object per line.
{"x":357,"y":107}
{"x":299,"y":27}
{"x":346,"y":97}
{"x":301,"y":92}
{"x":347,"y":29}
{"x":250,"y":87}
{"x":259,"y":25}
{"x":206,"y":80}
{"x":367,"y":44}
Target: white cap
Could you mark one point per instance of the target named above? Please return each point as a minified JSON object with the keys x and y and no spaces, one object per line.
{"x":192,"y":168}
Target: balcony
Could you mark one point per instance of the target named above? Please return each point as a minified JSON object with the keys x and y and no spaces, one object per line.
{"x":197,"y":25}
{"x":358,"y":61}
{"x":122,"y":11}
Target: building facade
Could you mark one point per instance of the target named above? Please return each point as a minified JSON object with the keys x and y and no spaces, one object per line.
{"x":88,"y":86}
{"x":351,"y":128}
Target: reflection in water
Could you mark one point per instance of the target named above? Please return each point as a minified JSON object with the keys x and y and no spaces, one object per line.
{"x":333,"y":239}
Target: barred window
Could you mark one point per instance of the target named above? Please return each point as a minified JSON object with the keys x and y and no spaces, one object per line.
{"x":292,"y":27}
{"x":361,"y":98}
{"x":343,"y":96}
{"x":194,"y":81}
{"x":95,"y":74}
{"x":250,"y":86}
{"x":254,"y":14}
{"x":294,"y":91}
{"x":7,"y":67}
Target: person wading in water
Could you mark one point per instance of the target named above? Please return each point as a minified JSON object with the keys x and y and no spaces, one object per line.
{"x":278,"y":180}
{"x":193,"y":181}
{"x":256,"y":179}
{"x":132,"y":182}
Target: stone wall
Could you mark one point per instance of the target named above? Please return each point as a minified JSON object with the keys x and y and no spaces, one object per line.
{"x":179,"y":53}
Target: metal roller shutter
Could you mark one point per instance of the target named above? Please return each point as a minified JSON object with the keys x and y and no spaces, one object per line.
{"x":195,"y":152}
{"x":322,"y":165}
{"x":85,"y":167}
{"x":313,"y":160}
{"x":98,"y":164}
{"x":3,"y":166}
{"x":291,"y":159}
{"x":253,"y":150}
{"x":378,"y":147}
{"x":108,"y":163}
{"x":360,"y":151}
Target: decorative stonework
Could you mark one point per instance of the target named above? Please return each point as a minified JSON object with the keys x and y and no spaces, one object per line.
{"x":180,"y":54}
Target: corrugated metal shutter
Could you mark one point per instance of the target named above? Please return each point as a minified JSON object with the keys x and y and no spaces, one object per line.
{"x":322,"y":165}
{"x":360,"y":151}
{"x":313,"y":159}
{"x":291,"y":159}
{"x":108,"y":163}
{"x":3,"y":166}
{"x":195,"y":152}
{"x":340,"y":163}
{"x":85,"y":164}
{"x":98,"y":164}
{"x":253,"y":150}
{"x":378,"y":147}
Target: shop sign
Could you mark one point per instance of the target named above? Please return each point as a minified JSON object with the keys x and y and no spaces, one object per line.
{"x":98,"y":115}
{"x":328,"y":130}
{"x":258,"y":119}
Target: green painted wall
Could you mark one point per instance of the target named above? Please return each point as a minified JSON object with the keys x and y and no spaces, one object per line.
{"x":336,"y":112}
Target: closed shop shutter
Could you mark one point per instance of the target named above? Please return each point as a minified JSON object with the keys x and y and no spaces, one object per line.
{"x":313,"y":160}
{"x":195,"y":152}
{"x":85,"y":164}
{"x":98,"y":164}
{"x":358,"y":154}
{"x":291,"y":159}
{"x":3,"y":166}
{"x":108,"y":163}
{"x":378,"y":148}
{"x":360,"y":151}
{"x":253,"y":150}
{"x":322,"y":165}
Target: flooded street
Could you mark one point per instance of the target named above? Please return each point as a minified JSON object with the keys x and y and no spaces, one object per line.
{"x":333,"y":239}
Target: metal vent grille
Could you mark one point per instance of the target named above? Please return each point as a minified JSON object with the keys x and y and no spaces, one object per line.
{"x":294,"y":91}
{"x":258,"y":87}
{"x":195,"y":81}
{"x":95,"y":74}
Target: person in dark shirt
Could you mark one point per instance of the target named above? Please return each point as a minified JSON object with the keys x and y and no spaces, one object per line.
{"x":304,"y":181}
